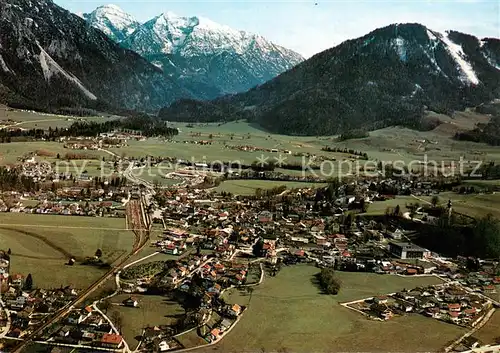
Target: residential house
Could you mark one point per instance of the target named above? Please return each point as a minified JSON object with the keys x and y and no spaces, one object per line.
{"x":171,"y":249}
{"x":163,"y":346}
{"x":214,"y":335}
{"x":225,"y":324}
{"x":17,"y":280}
{"x":235,"y":310}
{"x":111,"y":340}
{"x":131,"y":302}
{"x":383,"y":299}
{"x":454,"y":316}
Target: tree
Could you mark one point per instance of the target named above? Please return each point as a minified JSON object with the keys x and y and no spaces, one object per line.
{"x":257,"y":248}
{"x":486,"y":235}
{"x":397,"y":211}
{"x":58,"y":156}
{"x":363,"y":206}
{"x":117,"y":319}
{"x":105,"y":305}
{"x":9,"y":251}
{"x":348,"y":221}
{"x":435,"y":200}
{"x":28,"y":283}
{"x":98,"y":253}
{"x":249,"y":290}
{"x":329,"y":281}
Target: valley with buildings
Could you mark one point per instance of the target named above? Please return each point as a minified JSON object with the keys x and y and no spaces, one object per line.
{"x":157,"y":252}
{"x":169,"y":183}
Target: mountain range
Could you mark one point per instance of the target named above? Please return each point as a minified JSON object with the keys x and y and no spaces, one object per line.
{"x":208,"y":58}
{"x":51,"y":59}
{"x":387,"y":77}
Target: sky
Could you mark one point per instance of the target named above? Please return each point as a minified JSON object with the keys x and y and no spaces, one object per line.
{"x":309,"y":27}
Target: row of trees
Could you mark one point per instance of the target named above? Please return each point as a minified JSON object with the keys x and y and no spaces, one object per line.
{"x":488,"y":133}
{"x":353,"y":134}
{"x":345,"y":150}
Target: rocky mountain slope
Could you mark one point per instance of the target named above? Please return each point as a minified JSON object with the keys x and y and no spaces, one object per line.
{"x":50,"y":58}
{"x":390,"y":76}
{"x":210,"y":58}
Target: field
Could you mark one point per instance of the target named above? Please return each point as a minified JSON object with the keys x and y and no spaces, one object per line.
{"x":10,"y":152}
{"x":489,"y":333}
{"x":42,"y":244}
{"x":225,"y":136}
{"x":288,"y":312}
{"x":477,"y":205}
{"x":152,"y":311}
{"x":30,"y":120}
{"x":379,"y":207}
{"x":388,"y":144}
{"x":474,"y":205}
{"x":248,"y":187}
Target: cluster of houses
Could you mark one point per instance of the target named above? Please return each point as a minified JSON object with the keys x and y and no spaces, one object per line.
{"x":485,"y":282}
{"x":173,"y":241}
{"x":449,"y":303}
{"x":183,"y":269}
{"x":252,"y":148}
{"x":208,"y":284}
{"x":28,"y":308}
{"x":94,"y":209}
{"x":86,"y":327}
{"x":37,"y":171}
{"x":204,"y":278}
{"x":228,"y":225}
{"x":104,"y":141}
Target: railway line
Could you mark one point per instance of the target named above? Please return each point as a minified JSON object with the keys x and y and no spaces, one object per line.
{"x":140,"y":225}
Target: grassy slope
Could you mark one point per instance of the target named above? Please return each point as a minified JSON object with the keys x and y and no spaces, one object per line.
{"x":289,"y":312}
{"x":39,"y":247}
{"x":489,"y":333}
{"x":379,"y":207}
{"x":152,"y":310}
{"x":248,"y":187}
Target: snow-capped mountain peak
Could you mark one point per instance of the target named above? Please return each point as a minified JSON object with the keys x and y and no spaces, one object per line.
{"x":218,"y":58}
{"x":113,"y":21}
{"x":170,"y":33}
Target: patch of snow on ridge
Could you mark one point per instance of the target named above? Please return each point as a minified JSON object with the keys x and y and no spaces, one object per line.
{"x":458,"y":55}
{"x":491,"y":61}
{"x":51,"y":68}
{"x":3,"y":65}
{"x":431,"y":35}
{"x":400,"y":48}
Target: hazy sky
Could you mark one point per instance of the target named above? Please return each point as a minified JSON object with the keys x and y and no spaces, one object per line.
{"x":309,"y":28}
